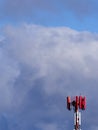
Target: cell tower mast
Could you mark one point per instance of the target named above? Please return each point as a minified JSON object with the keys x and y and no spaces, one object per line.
{"x":78,"y":103}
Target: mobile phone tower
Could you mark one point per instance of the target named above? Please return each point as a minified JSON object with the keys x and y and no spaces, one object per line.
{"x":77,"y":103}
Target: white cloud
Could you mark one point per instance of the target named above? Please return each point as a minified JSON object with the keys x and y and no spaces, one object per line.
{"x":55,"y":53}
{"x":42,"y":65}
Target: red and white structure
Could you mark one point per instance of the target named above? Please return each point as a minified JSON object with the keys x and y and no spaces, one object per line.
{"x":77,"y":103}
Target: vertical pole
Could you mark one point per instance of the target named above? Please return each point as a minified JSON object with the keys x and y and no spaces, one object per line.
{"x":77,"y":123}
{"x":77,"y":120}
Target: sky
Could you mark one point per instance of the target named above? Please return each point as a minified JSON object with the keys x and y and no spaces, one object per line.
{"x":48,"y":50}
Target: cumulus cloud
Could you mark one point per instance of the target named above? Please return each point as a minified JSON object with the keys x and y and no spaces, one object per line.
{"x":39,"y":67}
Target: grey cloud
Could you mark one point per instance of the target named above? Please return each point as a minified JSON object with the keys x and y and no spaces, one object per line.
{"x":29,"y":8}
{"x":8,"y":72}
{"x":48,"y":126}
{"x":80,"y":8}
{"x":39,"y":67}
{"x":25,"y":8}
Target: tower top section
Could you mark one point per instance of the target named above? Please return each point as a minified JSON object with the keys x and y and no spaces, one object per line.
{"x":78,"y":102}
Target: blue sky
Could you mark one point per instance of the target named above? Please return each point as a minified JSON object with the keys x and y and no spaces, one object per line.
{"x":48,"y":50}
